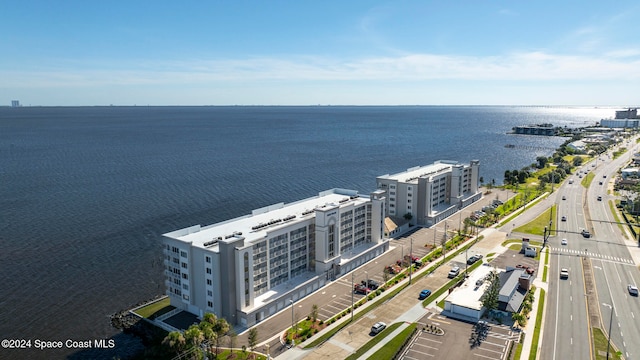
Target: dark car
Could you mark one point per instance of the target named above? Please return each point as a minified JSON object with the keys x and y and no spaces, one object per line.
{"x":424,"y":294}
{"x":373,"y":285}
{"x":586,"y":233}
{"x":474,"y":259}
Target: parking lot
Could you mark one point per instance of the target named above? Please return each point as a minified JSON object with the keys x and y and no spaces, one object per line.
{"x":492,"y":341}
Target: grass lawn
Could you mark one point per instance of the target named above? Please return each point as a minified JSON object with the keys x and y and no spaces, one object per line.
{"x":306,"y":329}
{"x":537,"y":328}
{"x":536,"y":227}
{"x":374,"y":341}
{"x":392,"y":347}
{"x":155,"y":309}
{"x":238,"y":355}
{"x":600,"y":344}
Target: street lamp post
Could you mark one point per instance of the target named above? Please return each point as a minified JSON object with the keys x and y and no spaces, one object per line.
{"x":410,"y":260}
{"x":610,"y":321}
{"x":366,"y":285}
{"x":292,"y":321}
{"x":466,"y":262}
{"x":352,"y":291}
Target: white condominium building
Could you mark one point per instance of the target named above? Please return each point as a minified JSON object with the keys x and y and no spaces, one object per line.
{"x":249,"y":268}
{"x":431,"y":193}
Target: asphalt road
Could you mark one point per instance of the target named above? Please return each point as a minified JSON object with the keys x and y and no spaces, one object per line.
{"x":566,"y":321}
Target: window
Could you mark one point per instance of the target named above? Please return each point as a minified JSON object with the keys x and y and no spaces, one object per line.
{"x":331,"y":239}
{"x":184,"y":265}
{"x":208,"y":259}
{"x":209,"y":282}
{"x":185,"y":276}
{"x":209,"y":292}
{"x":185,"y":286}
{"x":208,"y":270}
{"x":210,"y":304}
{"x":183,"y":254}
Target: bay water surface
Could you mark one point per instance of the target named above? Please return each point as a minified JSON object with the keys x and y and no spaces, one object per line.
{"x":86,"y":192}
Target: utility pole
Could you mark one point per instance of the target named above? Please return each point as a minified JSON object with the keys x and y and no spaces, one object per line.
{"x":610,"y":321}
{"x":410,"y":260}
{"x":292,"y":324}
{"x":352,"y":291}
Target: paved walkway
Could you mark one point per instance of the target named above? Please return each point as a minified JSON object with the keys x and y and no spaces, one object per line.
{"x":492,"y":243}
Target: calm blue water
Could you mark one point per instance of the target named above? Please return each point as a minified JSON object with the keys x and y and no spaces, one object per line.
{"x":86,"y":192}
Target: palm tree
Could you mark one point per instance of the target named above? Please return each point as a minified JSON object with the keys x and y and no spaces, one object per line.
{"x":175,"y":341}
{"x":193,"y":336}
{"x":221,"y":328}
{"x":314,"y":313}
{"x":253,"y":338}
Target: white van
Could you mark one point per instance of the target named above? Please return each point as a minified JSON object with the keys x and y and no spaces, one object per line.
{"x":454,"y":272}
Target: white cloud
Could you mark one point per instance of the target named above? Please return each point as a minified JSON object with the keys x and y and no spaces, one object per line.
{"x":529,"y":66}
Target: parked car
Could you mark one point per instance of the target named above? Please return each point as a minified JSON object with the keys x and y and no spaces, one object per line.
{"x":378,"y":327}
{"x":564,"y":242}
{"x":585,"y":233}
{"x":564,"y":197}
{"x":454,"y":272}
{"x":424,"y":294}
{"x":599,"y":198}
{"x":564,"y":273}
{"x":473,"y":259}
{"x":633,"y":290}
{"x":564,"y":218}
{"x":361,"y":289}
{"x":373,"y":285}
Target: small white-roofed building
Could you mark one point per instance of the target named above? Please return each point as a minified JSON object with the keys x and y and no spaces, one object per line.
{"x":249,"y":268}
{"x":465,"y":302}
{"x":431,"y":193}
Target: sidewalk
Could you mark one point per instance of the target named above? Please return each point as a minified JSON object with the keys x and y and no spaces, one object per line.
{"x":384,"y":342}
{"x":531,"y":322}
{"x":492,"y":242}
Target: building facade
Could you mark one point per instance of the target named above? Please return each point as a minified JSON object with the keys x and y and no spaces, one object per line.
{"x":620,"y":123}
{"x":249,"y":268}
{"x":431,"y":193}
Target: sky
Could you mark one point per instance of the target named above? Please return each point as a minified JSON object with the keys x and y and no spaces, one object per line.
{"x":302,"y":52}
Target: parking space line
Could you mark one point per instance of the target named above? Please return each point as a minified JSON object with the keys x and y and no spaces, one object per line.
{"x":491,"y":344}
{"x":427,"y":346}
{"x":431,"y":340}
{"x":412,"y":358}
{"x":487,"y":357}
{"x":419,"y":352}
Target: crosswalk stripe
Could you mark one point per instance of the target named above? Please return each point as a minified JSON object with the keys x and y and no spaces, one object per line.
{"x":593,"y":255}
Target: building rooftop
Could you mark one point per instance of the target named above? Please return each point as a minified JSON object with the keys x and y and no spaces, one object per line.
{"x":470,"y":293}
{"x":261,"y":221}
{"x":412,"y":174}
